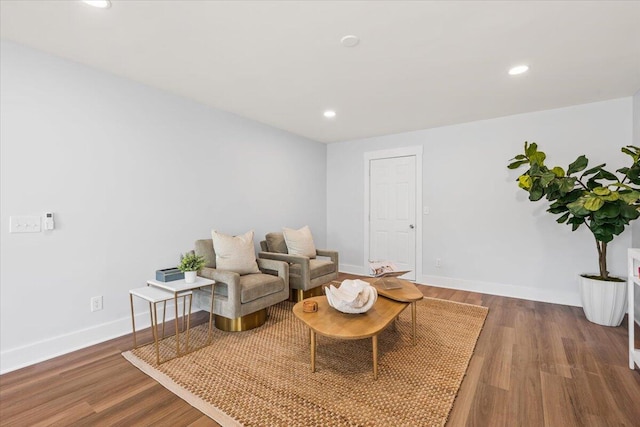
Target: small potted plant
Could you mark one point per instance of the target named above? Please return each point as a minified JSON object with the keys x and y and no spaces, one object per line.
{"x":602,"y":201}
{"x":190,"y":264}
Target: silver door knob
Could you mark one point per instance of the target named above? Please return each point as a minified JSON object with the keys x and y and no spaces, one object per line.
{"x":411,"y":226}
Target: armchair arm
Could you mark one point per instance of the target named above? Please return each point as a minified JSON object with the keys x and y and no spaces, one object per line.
{"x":229,"y":278}
{"x":331,"y":254}
{"x":303,"y":261}
{"x":280,"y":267}
{"x":293,"y":259}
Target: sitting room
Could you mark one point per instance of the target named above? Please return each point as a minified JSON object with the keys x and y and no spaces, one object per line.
{"x":387,"y":213}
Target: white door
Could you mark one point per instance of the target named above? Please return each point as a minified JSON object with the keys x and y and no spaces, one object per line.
{"x":392,"y":212}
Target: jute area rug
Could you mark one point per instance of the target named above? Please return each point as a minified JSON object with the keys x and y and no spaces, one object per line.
{"x":262,"y":377}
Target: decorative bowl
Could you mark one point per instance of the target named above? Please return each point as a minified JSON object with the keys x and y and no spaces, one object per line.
{"x":352,"y":296}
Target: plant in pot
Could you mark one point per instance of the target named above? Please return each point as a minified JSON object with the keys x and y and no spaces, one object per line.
{"x":189,"y":265}
{"x":600,"y":200}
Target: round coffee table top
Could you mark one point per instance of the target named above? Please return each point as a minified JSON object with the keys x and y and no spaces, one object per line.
{"x":330,"y":322}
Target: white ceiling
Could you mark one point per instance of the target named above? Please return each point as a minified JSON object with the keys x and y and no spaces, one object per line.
{"x":418,"y":65}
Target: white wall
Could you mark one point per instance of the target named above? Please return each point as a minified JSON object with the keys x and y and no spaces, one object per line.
{"x":134,"y":175}
{"x":490,"y":237}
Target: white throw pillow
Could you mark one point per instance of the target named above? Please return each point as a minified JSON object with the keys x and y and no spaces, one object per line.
{"x":299,"y":242}
{"x":235,"y":253}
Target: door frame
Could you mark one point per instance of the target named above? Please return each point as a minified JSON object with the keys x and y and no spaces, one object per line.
{"x":415,"y":151}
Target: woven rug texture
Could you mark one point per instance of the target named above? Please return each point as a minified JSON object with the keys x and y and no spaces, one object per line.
{"x":262,"y":377}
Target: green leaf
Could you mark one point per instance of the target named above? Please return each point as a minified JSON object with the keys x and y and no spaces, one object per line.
{"x":593,"y":203}
{"x":607,"y":175}
{"x":609,"y":210}
{"x":579,"y":164}
{"x":557,"y":208}
{"x":529,"y":150}
{"x":629,"y":212}
{"x":611,"y":197}
{"x":593,"y":170}
{"x":536,"y":192}
{"x":516,"y":165}
{"x":623,"y":170}
{"x":563,"y":218}
{"x":592,"y":183}
{"x":630,"y":197}
{"x":525,"y":182}
{"x":603,"y":236}
{"x":558,"y":171}
{"x":538,"y":158}
{"x":601,"y":191}
{"x":567,"y":184}
{"x":577,"y":208}
{"x":546,"y":178}
{"x":633,"y":155}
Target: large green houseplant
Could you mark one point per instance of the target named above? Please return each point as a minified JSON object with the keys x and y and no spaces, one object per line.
{"x":600,"y":200}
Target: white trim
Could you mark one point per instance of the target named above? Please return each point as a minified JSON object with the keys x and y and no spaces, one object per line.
{"x":501,"y":289}
{"x":386,"y":154}
{"x":353,"y":269}
{"x":39,"y":351}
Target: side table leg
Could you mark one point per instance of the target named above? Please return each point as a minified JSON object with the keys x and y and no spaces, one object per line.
{"x":133,"y":322}
{"x":413,"y":321}
{"x":154,"y":325}
{"x":209,"y":338}
{"x":175,"y":303}
{"x":375,"y":356}
{"x":313,"y":349}
{"x":188,"y":318}
{"x":164,"y":315}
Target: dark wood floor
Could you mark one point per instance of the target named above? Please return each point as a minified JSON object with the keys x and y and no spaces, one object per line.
{"x":535,"y":364}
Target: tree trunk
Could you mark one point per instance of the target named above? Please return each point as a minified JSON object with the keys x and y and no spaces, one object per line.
{"x":602,"y":259}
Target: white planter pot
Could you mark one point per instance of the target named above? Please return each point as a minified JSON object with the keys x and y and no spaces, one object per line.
{"x":190,"y":276}
{"x":603,"y":302}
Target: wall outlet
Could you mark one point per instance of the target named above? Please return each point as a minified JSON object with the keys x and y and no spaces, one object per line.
{"x":438,"y":262}
{"x":96,"y":303}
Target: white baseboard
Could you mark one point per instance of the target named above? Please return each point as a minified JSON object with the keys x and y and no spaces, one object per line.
{"x":533,"y":294}
{"x":353,"y":269}
{"x":500,"y":289}
{"x":39,"y":351}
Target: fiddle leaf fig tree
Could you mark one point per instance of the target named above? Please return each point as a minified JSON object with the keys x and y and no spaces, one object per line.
{"x":602,"y":201}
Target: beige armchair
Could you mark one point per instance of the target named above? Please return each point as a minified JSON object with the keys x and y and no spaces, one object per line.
{"x":241,"y":301}
{"x":306,"y":275}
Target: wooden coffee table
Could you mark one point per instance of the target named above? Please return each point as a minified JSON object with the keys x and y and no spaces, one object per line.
{"x":332,"y":323}
{"x":407,"y":292}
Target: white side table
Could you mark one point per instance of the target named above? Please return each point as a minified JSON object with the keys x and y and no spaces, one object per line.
{"x":153,"y":296}
{"x":178,"y":287}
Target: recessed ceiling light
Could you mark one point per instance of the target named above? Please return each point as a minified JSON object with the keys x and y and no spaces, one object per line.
{"x":102,"y":4}
{"x":329,"y":114}
{"x":518,"y":70}
{"x":349,"y":41}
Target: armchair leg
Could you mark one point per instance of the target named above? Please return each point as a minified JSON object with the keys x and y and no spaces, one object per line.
{"x":297,"y":295}
{"x":244,"y":323}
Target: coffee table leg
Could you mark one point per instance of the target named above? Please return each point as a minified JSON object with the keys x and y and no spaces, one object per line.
{"x":313,"y":350}
{"x":375,"y":356}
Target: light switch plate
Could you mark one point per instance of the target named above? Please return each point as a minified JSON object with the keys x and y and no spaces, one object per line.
{"x":25,"y":224}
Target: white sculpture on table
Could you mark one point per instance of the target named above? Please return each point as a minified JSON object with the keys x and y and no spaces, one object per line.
{"x":353,"y":296}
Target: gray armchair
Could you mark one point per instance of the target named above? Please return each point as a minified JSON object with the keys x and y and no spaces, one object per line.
{"x":241,"y":302}
{"x":306,"y":275}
